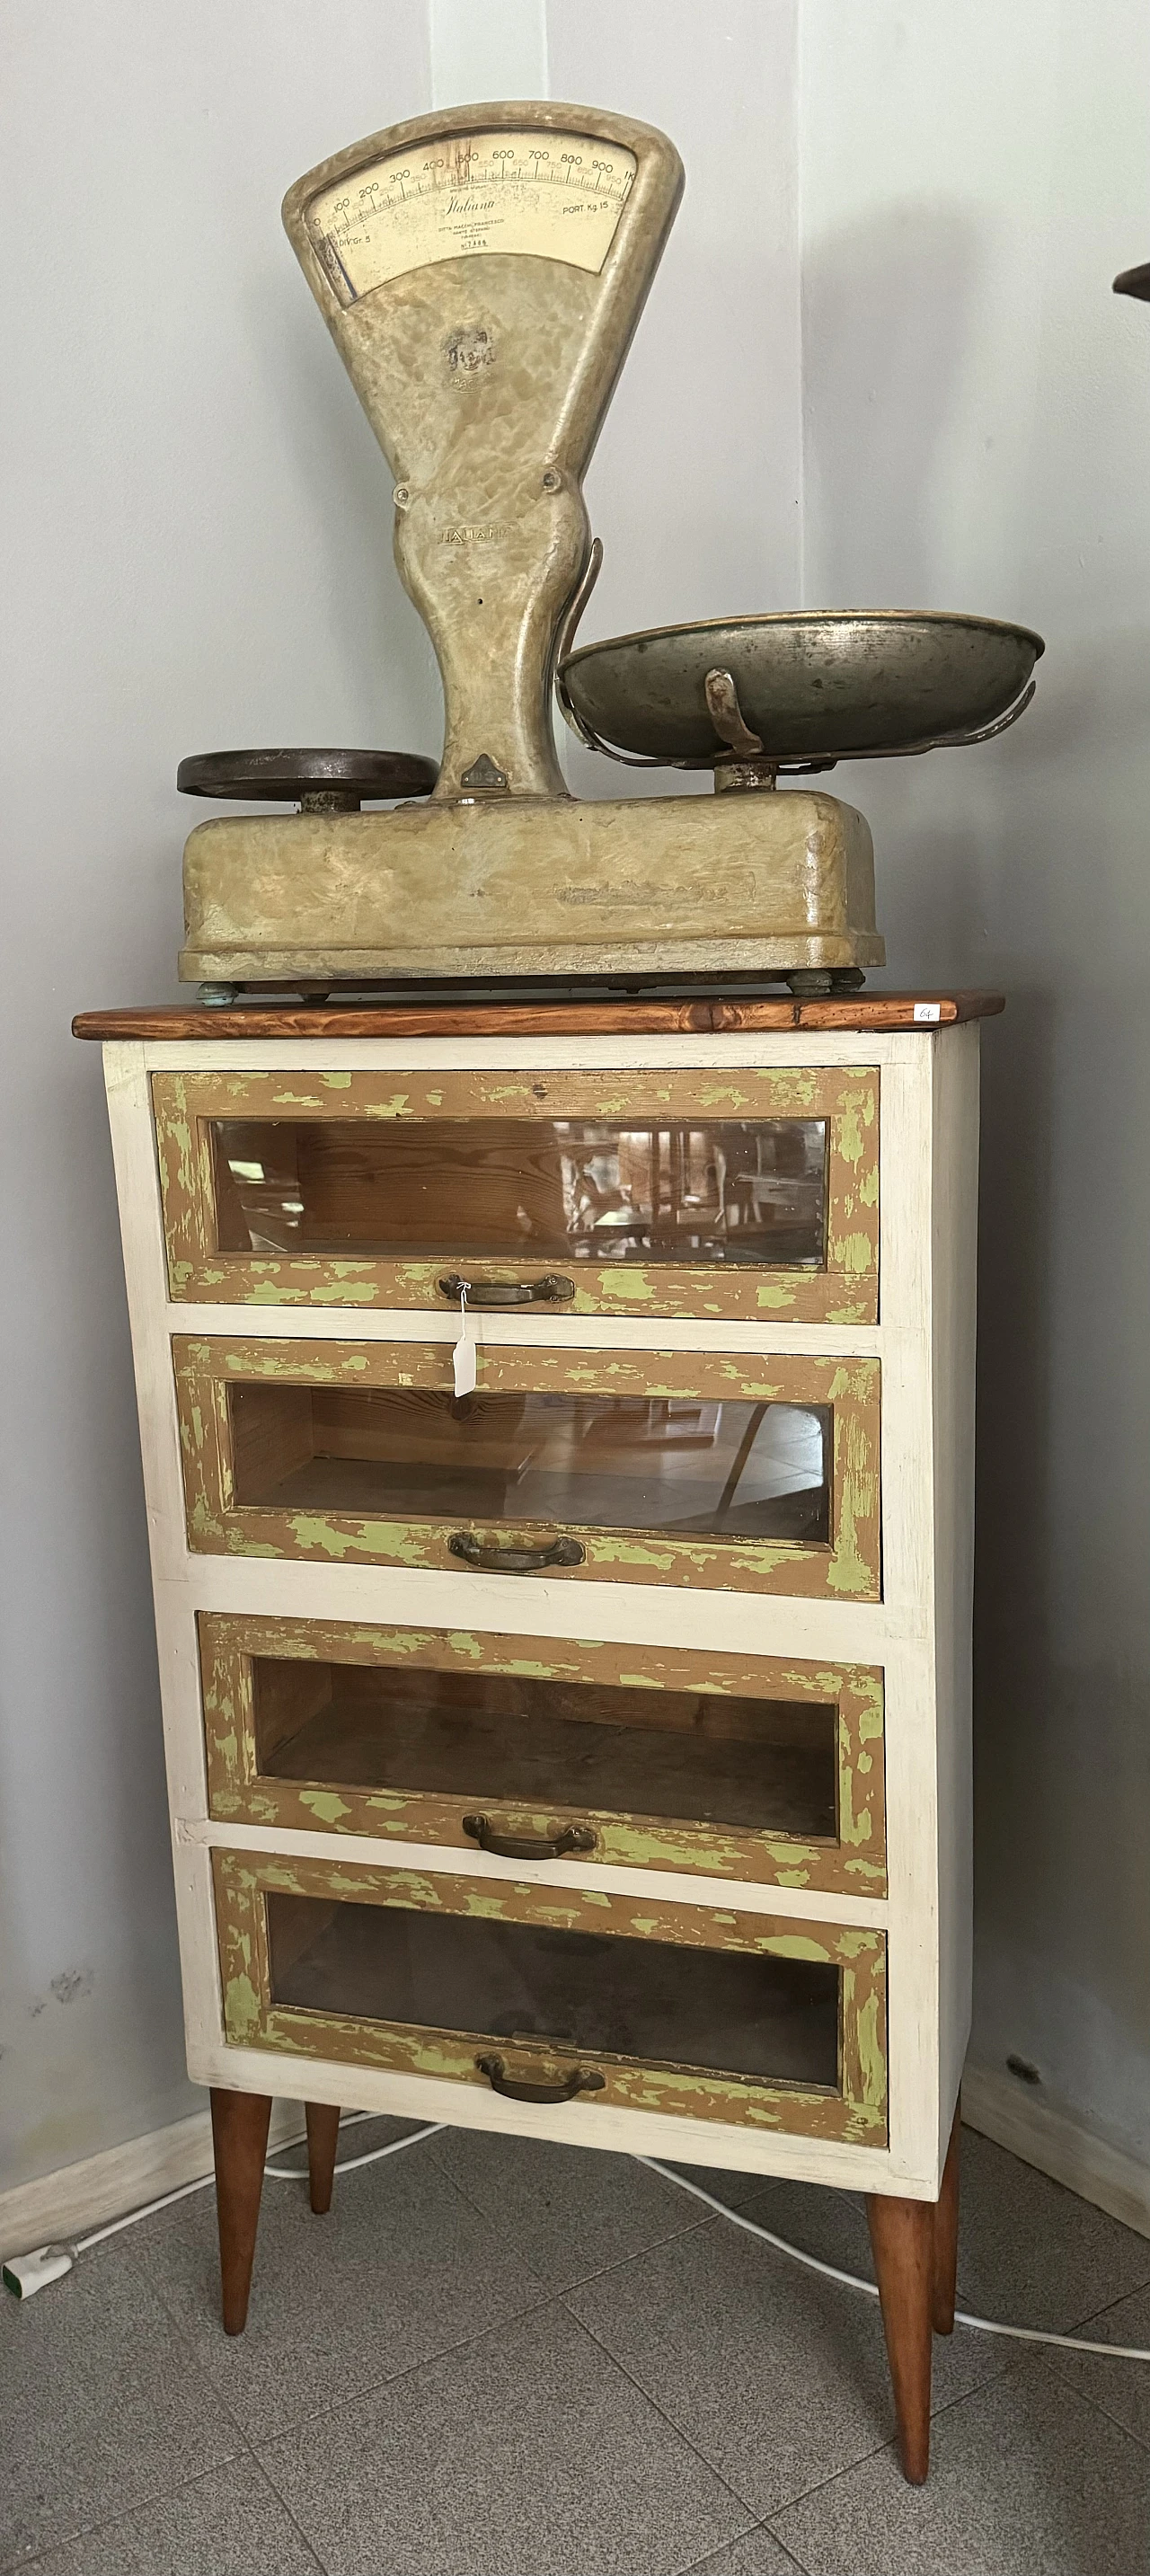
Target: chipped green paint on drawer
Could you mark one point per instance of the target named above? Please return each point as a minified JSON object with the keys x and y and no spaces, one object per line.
{"x":844,"y":1291}
{"x":849,"y":1568}
{"x":854,"y":2112}
{"x":239,"y":1791}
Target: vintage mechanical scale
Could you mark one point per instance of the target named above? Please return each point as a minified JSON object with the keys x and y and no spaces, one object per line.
{"x":481,"y":272}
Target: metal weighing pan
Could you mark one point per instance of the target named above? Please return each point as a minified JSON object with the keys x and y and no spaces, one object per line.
{"x":800,"y":688}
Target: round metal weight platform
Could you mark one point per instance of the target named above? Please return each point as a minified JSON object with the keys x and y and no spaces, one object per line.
{"x":334,"y":782}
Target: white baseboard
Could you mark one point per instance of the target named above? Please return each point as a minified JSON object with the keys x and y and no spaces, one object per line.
{"x":1017,"y":2117}
{"x":85,"y":2195}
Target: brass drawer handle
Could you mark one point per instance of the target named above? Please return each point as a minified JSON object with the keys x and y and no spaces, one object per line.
{"x":548,"y":1291}
{"x":582,"y":2079}
{"x":570,"y":1838}
{"x":514,"y":1560}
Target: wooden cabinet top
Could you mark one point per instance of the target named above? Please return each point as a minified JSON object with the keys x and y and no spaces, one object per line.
{"x":702,"y":1013}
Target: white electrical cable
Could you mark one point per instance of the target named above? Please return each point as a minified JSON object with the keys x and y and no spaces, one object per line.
{"x":750,"y":2226}
{"x":280,"y":2173}
{"x":850,"y":2280}
{"x":81,"y":2244}
{"x":289,"y":2173}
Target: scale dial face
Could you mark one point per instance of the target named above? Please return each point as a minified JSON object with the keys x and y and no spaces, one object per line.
{"x":554,"y":195}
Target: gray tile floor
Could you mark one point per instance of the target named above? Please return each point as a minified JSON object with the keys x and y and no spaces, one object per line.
{"x":501,"y":2359}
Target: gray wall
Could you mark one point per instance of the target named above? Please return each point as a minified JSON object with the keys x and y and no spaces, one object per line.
{"x":977,"y":413}
{"x":201,"y":555}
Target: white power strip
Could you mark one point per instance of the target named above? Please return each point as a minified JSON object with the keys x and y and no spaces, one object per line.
{"x":24,"y":2274}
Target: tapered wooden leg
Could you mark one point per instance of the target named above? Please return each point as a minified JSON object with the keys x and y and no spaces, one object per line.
{"x":902,"y":2237}
{"x":946,"y":2240}
{"x":240,"y":2142}
{"x":322,"y":2140}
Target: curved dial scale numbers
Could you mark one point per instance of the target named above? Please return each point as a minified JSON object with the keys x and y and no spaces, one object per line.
{"x":553,"y":195}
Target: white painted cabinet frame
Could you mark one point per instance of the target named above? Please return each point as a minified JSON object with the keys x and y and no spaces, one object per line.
{"x":919,"y":1633}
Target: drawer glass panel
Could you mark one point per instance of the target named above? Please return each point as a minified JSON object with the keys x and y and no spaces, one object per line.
{"x":725,"y":1469}
{"x":699,"y":1191}
{"x":772,"y":2018}
{"x":567,"y":1995}
{"x":743,"y":1766}
{"x":762,"y":1764}
{"x":742,"y":1191}
{"x":611,"y":1466}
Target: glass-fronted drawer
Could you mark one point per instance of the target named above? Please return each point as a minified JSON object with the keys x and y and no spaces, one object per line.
{"x":539,"y":1749}
{"x":647,"y":1467}
{"x":744,"y":1193}
{"x":564,"y":1996}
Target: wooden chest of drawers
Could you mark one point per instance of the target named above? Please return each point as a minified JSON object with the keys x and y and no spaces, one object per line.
{"x":585,"y":1754}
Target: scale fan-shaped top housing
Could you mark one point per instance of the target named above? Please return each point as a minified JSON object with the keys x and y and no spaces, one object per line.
{"x":481,"y":272}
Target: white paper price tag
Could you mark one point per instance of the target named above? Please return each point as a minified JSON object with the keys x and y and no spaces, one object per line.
{"x":927,"y":1011}
{"x":463,"y":1355}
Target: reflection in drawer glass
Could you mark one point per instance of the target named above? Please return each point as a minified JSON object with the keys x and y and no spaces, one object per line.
{"x":729,"y":1469}
{"x":750,"y":1191}
{"x":694,"y":1756}
{"x":661,"y":2001}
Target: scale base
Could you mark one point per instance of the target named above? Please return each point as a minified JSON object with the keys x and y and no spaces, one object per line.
{"x":774,"y":886}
